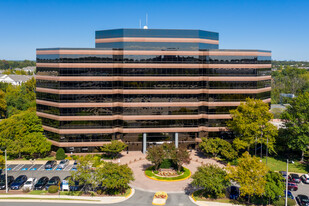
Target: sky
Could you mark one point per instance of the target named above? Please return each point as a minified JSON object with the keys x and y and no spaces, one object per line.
{"x":281,"y":26}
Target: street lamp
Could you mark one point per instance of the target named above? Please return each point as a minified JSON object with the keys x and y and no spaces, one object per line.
{"x":287,"y":182}
{"x":6,"y":173}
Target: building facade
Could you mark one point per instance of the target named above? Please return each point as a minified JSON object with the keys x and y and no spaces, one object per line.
{"x":145,"y":87}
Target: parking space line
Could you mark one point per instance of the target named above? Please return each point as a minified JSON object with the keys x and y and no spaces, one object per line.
{"x":40,"y":169}
{"x":68,"y":168}
{"x":54,"y":168}
{"x":31,"y":167}
{"x":18,"y":167}
{"x":15,"y":167}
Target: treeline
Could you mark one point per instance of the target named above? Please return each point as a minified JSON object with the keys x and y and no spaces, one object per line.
{"x":4,"y":64}
{"x":290,"y":63}
{"x":21,"y":131}
{"x":290,"y":80}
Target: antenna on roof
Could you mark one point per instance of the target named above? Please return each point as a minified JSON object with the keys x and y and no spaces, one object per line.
{"x":146,"y":26}
{"x":140,"y":23}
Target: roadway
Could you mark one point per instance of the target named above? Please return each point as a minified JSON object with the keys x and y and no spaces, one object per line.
{"x":140,"y":198}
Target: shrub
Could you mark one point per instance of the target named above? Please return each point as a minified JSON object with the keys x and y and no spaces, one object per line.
{"x":60,"y":155}
{"x":166,"y":164}
{"x":281,"y":202}
{"x":53,"y":189}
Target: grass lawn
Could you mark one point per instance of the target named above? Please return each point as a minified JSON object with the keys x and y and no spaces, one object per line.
{"x":33,"y":198}
{"x":37,"y":192}
{"x":150,"y":174}
{"x":279,"y":165}
{"x":197,"y":196}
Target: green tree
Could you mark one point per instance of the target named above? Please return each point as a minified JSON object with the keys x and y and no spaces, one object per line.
{"x":85,"y":172}
{"x":212,"y":179}
{"x":217,"y":146}
{"x":22,"y":134}
{"x":274,"y":186}
{"x":180,"y":156}
{"x":297,"y":124}
{"x":115,"y":177}
{"x":2,"y":160}
{"x":60,"y":154}
{"x":113,"y":148}
{"x":249,"y":174}
{"x":2,"y":104}
{"x":251,"y":125}
{"x":156,"y":156}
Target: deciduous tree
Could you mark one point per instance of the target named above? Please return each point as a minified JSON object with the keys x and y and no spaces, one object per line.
{"x":217,"y":146}
{"x":2,"y":160}
{"x":155,"y":155}
{"x":296,"y":122}
{"x":212,"y":179}
{"x":274,"y":186}
{"x":113,"y":148}
{"x":251,"y":124}
{"x":249,"y":174}
{"x":180,"y":156}
{"x":2,"y":104}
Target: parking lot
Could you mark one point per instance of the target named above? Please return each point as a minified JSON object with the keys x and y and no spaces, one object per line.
{"x":303,"y":189}
{"x":38,"y":170}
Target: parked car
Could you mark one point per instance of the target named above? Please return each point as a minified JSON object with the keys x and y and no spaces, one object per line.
{"x":19,"y":182}
{"x":76,"y":186}
{"x":30,"y":183}
{"x":74,"y":166}
{"x":302,"y":200}
{"x":234,"y":194}
{"x":40,"y":185}
{"x":294,"y":178}
{"x":65,"y":184}
{"x":2,"y":182}
{"x":283,"y":173}
{"x":50,"y":164}
{"x":55,"y":180}
{"x":290,"y":195}
{"x":63,"y":164}
{"x":305,"y":178}
{"x":292,"y":186}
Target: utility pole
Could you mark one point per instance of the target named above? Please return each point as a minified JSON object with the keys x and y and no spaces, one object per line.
{"x":6,"y":173}
{"x":286,"y":183}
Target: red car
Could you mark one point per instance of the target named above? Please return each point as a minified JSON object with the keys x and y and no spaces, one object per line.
{"x":292,"y":186}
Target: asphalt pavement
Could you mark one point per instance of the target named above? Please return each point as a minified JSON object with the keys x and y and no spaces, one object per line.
{"x":140,"y":198}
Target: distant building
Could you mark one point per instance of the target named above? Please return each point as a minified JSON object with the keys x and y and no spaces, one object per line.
{"x":14,"y":79}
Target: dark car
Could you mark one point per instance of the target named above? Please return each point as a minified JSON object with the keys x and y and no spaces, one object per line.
{"x":234,"y":194}
{"x":40,"y":185}
{"x":290,"y":195}
{"x":50,"y":164}
{"x":2,"y":182}
{"x":76,"y":186}
{"x":294,"y":178}
{"x":53,"y":181}
{"x":292,"y":186}
{"x":19,"y":182}
{"x":302,"y":200}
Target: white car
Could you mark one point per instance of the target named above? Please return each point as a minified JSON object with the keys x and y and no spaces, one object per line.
{"x":29,"y":184}
{"x":305,"y":178}
{"x":63,"y":164}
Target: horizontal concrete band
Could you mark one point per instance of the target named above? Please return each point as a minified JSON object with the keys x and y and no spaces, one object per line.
{"x":77,"y":144}
{"x":141,"y":104}
{"x":134,"y":130}
{"x":151,"y":39}
{"x":133,"y":117}
{"x":151,"y":78}
{"x":154,"y":91}
{"x":135,"y":52}
{"x":142,"y":65}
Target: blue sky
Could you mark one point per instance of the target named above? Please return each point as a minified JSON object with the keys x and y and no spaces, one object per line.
{"x":281,"y":26}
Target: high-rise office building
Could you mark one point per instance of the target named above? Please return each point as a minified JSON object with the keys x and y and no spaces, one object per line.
{"x":145,"y":87}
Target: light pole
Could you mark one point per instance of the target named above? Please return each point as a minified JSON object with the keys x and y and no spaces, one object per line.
{"x":6,"y":173}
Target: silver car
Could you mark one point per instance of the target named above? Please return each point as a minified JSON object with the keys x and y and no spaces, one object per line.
{"x":63,"y":164}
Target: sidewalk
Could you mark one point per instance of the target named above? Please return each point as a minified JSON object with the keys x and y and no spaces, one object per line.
{"x":209,"y":203}
{"x":65,"y":198}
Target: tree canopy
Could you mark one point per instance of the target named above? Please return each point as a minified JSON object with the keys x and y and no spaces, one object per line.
{"x":113,"y":148}
{"x":249,"y":174}
{"x":296,"y":122}
{"x":2,"y":104}
{"x":274,"y":186}
{"x":22,"y":134}
{"x":217,"y":146}
{"x":212,"y":179}
{"x":251,"y":125}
